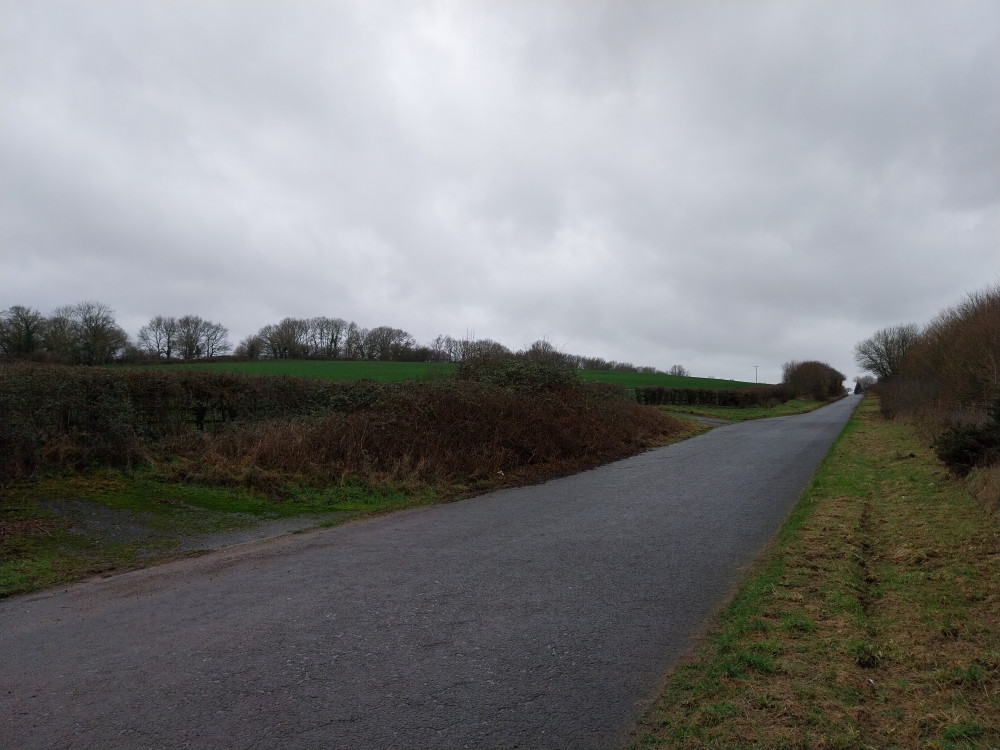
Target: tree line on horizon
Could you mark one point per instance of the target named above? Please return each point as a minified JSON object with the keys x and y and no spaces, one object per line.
{"x":87,"y":333}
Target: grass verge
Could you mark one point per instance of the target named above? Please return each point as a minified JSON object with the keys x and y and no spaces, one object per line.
{"x":870,"y":623}
{"x":59,"y":529}
{"x":795,"y":406}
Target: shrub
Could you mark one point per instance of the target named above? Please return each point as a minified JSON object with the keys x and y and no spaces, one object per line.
{"x":950,"y":372}
{"x":965,"y":447}
{"x":816,"y":380}
{"x":519,"y":374}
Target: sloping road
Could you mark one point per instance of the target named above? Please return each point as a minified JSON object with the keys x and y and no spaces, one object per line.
{"x":532,"y":618}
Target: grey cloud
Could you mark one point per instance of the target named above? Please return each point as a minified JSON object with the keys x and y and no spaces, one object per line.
{"x":695,"y":182}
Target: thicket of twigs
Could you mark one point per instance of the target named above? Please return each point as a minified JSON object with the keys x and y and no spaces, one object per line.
{"x":949,"y":380}
{"x":261,"y":431}
{"x":952,"y":370}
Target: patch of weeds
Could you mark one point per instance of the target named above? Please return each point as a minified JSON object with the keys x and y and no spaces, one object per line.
{"x":848,"y":694}
{"x":796,"y":620}
{"x":353,"y":496}
{"x":795,"y":406}
{"x":738,"y":664}
{"x":713,"y":714}
{"x":949,"y":629}
{"x":866,"y":655}
{"x":962,"y":732}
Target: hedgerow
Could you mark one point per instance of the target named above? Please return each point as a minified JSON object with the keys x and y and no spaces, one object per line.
{"x":741,"y":398}
{"x":244,"y":429}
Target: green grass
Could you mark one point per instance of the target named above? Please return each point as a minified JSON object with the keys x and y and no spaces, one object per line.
{"x":40,"y":548}
{"x":384,"y":372}
{"x":395,"y":371}
{"x":870,"y":622}
{"x":795,"y":406}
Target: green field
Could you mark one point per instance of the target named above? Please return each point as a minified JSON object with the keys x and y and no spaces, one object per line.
{"x":386,"y":372}
{"x":634,"y":379}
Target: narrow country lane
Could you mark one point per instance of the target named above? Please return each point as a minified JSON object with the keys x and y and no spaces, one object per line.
{"x":540,"y":617}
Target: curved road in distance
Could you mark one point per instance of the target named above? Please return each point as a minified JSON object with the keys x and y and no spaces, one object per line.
{"x":540,"y":617}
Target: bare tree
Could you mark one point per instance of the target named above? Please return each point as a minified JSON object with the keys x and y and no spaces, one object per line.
{"x":813,"y":379}
{"x":159,"y":336}
{"x":215,"y":339}
{"x":289,"y":339}
{"x":252,"y":347}
{"x":59,"y":338}
{"x":863,"y":383}
{"x":544,"y":351}
{"x":354,"y":341}
{"x":484,"y":349}
{"x":883,"y":353}
{"x":190,"y":337}
{"x":326,"y":336}
{"x":85,"y":333}
{"x":388,"y":344}
{"x":21,"y":331}
{"x":679,"y":370}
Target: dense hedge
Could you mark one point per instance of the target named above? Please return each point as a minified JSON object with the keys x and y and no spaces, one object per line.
{"x":762,"y":395}
{"x":252,"y":430}
{"x":82,"y":415}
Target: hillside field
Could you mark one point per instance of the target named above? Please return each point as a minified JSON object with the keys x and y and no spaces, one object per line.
{"x":386,"y":372}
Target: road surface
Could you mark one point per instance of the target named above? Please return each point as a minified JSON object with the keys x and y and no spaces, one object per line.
{"x":540,"y":617}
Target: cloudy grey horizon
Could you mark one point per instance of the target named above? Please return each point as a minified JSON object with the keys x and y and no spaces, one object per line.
{"x":721,"y":185}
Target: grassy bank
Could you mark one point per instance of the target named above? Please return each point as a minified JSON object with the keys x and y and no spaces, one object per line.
{"x":795,"y":406}
{"x":871,"y":622}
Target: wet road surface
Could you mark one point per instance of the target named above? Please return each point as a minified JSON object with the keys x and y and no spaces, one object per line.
{"x":540,"y":617}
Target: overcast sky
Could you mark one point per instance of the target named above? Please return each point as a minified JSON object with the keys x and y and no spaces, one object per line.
{"x":713,"y":184}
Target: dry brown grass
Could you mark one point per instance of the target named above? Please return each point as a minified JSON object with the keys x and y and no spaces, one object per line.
{"x":984,"y":485}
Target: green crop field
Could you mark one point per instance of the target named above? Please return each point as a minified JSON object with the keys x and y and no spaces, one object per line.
{"x":386,"y":372}
{"x":634,"y":379}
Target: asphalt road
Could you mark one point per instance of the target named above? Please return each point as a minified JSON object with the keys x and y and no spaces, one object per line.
{"x":541,"y":617}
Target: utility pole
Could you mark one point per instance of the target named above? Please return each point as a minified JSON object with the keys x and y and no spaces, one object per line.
{"x":755,"y":373}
